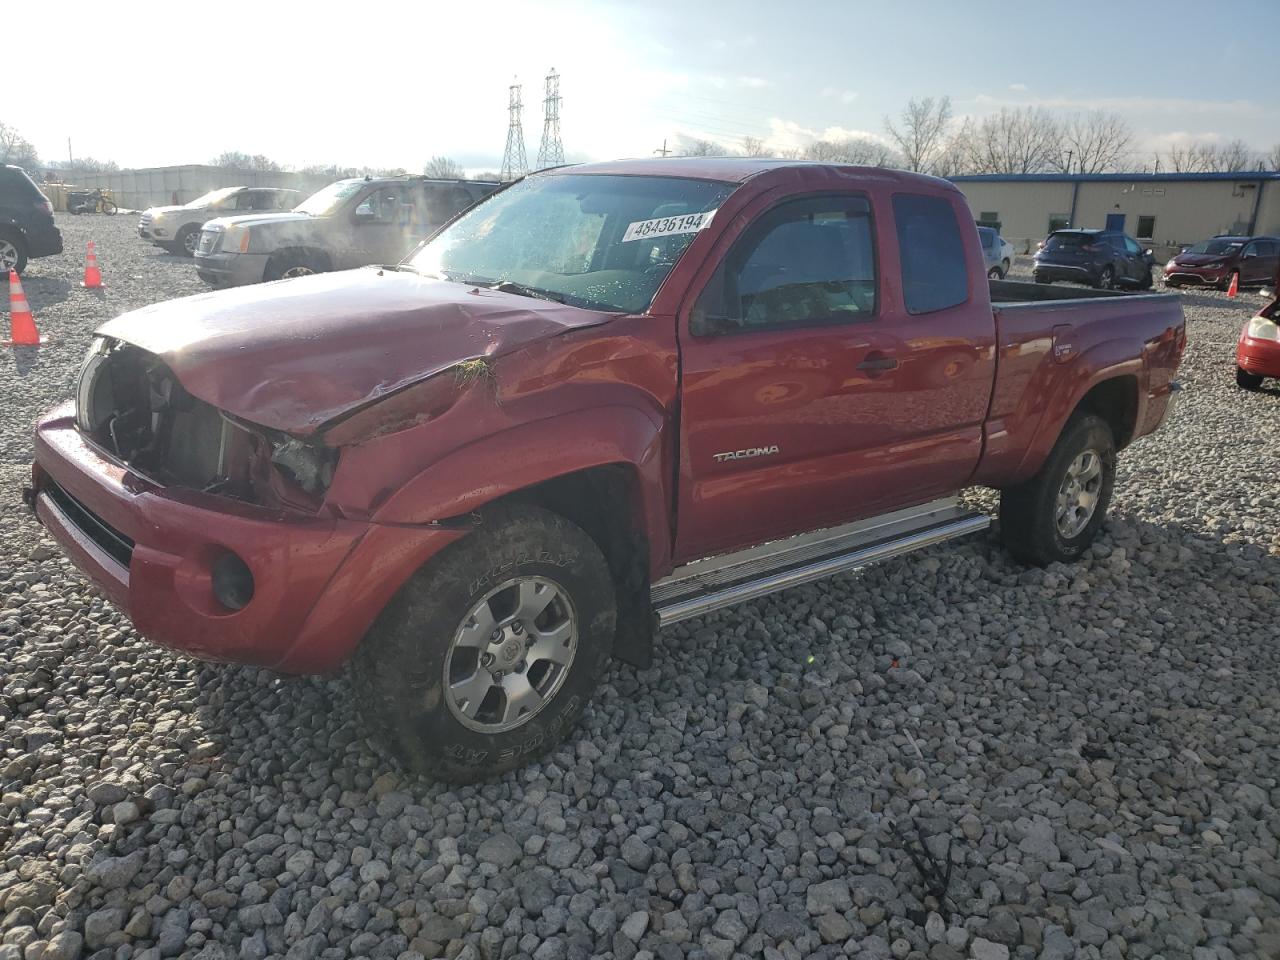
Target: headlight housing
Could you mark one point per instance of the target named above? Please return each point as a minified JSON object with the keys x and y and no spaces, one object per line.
{"x":235,"y":239}
{"x":1262,"y":328}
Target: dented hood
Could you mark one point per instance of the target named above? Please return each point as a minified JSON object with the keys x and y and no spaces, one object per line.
{"x":294,"y":354}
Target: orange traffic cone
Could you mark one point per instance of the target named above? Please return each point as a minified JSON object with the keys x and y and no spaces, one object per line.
{"x":92,"y":275}
{"x":22,"y":325}
{"x":1235,"y":285}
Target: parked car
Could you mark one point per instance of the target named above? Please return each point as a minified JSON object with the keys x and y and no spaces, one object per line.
{"x":1099,"y":258}
{"x":1215,"y":262}
{"x":1258,"y":349}
{"x":177,"y":229}
{"x":349,"y":223}
{"x":26,"y":221}
{"x":607,"y":397}
{"x":997,"y":252}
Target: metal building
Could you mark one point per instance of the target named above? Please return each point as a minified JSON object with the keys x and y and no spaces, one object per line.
{"x":1165,"y":211}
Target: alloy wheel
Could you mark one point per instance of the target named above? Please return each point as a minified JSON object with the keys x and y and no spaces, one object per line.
{"x":1079,"y":494}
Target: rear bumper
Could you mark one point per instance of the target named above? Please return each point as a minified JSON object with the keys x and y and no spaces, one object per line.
{"x":1064,"y":271}
{"x":1261,"y":357}
{"x":318,"y":582}
{"x":230,"y":269}
{"x":44,"y":240}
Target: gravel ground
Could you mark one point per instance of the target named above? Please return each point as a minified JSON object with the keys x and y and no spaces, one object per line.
{"x":1098,"y":745}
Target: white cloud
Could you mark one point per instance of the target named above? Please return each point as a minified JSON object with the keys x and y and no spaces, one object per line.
{"x":1018,"y":87}
{"x":844,"y":96}
{"x":754,"y":83}
{"x":789,"y":135}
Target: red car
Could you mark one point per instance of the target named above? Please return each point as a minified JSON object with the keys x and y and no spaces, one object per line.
{"x":1214,"y":263}
{"x":607,"y":398}
{"x":1258,"y":349}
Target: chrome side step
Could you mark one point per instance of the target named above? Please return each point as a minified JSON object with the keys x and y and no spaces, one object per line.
{"x":705,"y":585}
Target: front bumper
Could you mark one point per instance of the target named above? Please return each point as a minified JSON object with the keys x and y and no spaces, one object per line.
{"x":44,"y":241}
{"x":1198,"y":276}
{"x":318,"y":581}
{"x":224,"y":269}
{"x":1261,"y":357}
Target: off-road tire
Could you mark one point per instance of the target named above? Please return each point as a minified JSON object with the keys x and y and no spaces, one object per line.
{"x":1248,"y":381}
{"x":179,"y":245}
{"x":1028,"y":512}
{"x":399,"y":669}
{"x":19,"y":251}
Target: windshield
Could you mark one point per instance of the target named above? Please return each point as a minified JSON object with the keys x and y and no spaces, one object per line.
{"x":1215,"y":248}
{"x":212,"y":197}
{"x":604,"y":242}
{"x":324,"y":202}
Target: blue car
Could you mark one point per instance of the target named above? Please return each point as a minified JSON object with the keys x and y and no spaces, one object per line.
{"x":26,"y":221}
{"x":1100,"y":258}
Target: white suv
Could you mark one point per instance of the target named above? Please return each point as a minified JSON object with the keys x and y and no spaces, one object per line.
{"x":177,"y":229}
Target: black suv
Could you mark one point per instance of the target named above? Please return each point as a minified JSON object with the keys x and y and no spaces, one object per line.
{"x":26,"y":221}
{"x":1100,"y":258}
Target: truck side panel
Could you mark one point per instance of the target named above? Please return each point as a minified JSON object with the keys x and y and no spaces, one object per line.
{"x":1052,"y":353}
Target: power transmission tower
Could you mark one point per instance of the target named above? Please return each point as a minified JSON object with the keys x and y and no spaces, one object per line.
{"x":551,"y":150}
{"x":514,"y":162}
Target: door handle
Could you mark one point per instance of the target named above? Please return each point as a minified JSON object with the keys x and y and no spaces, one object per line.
{"x":878,"y":363}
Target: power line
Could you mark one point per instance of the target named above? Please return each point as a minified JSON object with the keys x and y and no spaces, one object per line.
{"x":551,"y":150}
{"x":514,"y":162}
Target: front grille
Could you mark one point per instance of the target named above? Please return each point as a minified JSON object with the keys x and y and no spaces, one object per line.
{"x":114,"y":543}
{"x":209,"y":240}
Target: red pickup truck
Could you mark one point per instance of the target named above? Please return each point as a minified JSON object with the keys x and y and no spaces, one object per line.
{"x":607,"y":398}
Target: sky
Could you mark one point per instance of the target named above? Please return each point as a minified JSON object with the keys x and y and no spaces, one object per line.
{"x":395,"y":83}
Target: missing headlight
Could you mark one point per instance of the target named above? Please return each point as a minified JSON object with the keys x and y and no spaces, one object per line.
{"x":311,"y":468}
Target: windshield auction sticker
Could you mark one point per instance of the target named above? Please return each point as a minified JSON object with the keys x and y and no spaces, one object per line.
{"x":668,"y":226}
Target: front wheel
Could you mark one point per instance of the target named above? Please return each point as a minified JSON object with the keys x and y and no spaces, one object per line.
{"x":995,"y":274}
{"x":1107,"y":279}
{"x":109,"y":207}
{"x":1057,"y":513}
{"x":1147,"y":281}
{"x":1246,"y":380}
{"x":489,"y":654}
{"x":287,"y":266}
{"x":187,"y":240}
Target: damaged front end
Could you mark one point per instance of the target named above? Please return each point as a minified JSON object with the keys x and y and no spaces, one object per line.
{"x":129,"y":403}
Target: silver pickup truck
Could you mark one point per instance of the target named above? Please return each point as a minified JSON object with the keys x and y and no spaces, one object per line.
{"x":349,"y":223}
{"x":177,"y":228}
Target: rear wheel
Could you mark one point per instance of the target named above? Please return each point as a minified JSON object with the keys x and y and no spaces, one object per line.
{"x":489,"y":654}
{"x":995,"y":274}
{"x":1057,"y":513}
{"x":13,"y":254}
{"x":1107,"y":279}
{"x":1246,"y":380}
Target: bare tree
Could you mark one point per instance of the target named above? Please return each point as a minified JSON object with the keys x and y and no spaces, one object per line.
{"x":1235,"y":156}
{"x":956,"y":156}
{"x":860,"y":150}
{"x":1014,"y":141}
{"x":444,"y":168}
{"x":17,"y":150}
{"x":1273,"y":158}
{"x":238,"y":160}
{"x":1092,"y":142}
{"x":85,"y":165}
{"x":754,"y":147}
{"x":695,"y":147}
{"x":921,"y":131}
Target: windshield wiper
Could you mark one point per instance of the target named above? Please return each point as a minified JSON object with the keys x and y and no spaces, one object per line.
{"x":522,"y":290}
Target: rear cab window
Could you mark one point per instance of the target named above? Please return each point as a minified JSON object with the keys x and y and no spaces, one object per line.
{"x":931,"y":250}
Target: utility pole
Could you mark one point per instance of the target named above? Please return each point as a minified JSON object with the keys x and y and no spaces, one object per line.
{"x":663,"y":151}
{"x":70,"y":159}
{"x":514,"y":162}
{"x":551,"y":150}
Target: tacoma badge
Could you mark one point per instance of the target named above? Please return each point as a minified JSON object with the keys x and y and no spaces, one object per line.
{"x":747,"y":453}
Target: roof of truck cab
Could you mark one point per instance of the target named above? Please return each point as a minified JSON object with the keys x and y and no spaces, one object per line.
{"x":735,"y":169}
